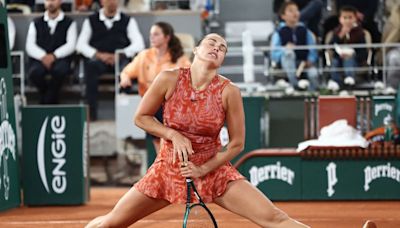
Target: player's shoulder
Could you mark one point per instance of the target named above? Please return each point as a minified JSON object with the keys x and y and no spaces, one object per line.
{"x":169,"y":76}
{"x":230,"y":86}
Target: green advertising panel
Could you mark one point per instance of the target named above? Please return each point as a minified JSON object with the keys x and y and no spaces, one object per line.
{"x":351,"y":179}
{"x":286,"y":121}
{"x":382,"y":107}
{"x":9,"y":175}
{"x":55,"y":155}
{"x":254,"y":109}
{"x":277,"y":177}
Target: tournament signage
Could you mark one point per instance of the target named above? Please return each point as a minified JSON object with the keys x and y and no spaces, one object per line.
{"x":292,"y":177}
{"x":351,"y":179}
{"x":278,"y":177}
{"x":383,"y":107}
{"x":9,"y":176}
{"x":55,"y":155}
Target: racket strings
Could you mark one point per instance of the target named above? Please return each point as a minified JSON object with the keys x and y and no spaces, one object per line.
{"x":199,"y":218}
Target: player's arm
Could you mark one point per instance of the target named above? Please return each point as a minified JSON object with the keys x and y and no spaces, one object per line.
{"x":151,"y":102}
{"x":159,"y":91}
{"x":236,"y":129}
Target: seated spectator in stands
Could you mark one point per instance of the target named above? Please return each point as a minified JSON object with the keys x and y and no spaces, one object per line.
{"x":50,"y":44}
{"x":289,"y":34}
{"x":348,"y":32}
{"x":83,"y":5}
{"x":66,"y":5}
{"x":102,"y":34}
{"x":310,"y":12}
{"x":366,"y":10}
{"x":11,"y":32}
{"x":166,"y":52}
{"x":391,"y":34}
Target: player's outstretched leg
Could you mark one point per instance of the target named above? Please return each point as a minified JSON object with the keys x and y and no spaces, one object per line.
{"x":133,"y":206}
{"x":246,"y":200}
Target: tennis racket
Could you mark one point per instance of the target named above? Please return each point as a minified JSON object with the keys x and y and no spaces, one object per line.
{"x":197,"y":215}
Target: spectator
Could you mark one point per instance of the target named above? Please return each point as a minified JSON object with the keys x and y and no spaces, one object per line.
{"x":310,"y":12}
{"x":366,"y":14}
{"x":102,"y":34}
{"x":50,"y":43}
{"x":11,"y":32}
{"x":348,"y":32}
{"x":166,"y":52}
{"x":391,"y":34}
{"x":289,"y":34}
{"x":83,"y":5}
{"x":66,"y":5}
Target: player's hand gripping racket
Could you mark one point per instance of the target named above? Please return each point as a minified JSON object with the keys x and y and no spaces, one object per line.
{"x":197,"y":214}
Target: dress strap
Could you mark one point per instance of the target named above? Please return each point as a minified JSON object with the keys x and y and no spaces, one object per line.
{"x":224,"y":83}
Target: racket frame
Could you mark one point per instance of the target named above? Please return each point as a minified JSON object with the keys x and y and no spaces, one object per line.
{"x":190,"y":185}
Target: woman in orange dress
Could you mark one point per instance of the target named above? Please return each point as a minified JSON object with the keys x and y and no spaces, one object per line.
{"x":166,"y":52}
{"x":197,"y":102}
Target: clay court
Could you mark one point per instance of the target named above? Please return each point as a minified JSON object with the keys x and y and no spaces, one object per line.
{"x":332,"y":214}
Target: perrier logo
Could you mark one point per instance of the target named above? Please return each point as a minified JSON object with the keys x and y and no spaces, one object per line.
{"x":7,"y":141}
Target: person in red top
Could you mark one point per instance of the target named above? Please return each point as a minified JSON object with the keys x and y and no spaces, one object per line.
{"x":166,"y":52}
{"x":197,"y":102}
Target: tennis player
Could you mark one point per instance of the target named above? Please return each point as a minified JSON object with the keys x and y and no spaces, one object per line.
{"x":197,"y":102}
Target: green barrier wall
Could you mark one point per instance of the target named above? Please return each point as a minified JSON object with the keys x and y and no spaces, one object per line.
{"x":55,"y":155}
{"x":295,"y":178}
{"x":351,"y":179}
{"x":151,"y":151}
{"x":9,"y":167}
{"x":286,"y":122}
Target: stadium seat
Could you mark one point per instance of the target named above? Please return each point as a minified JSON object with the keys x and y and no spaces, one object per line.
{"x":332,"y":108}
{"x":324,"y":110}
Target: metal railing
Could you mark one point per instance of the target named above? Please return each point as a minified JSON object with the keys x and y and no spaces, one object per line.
{"x":21,"y":74}
{"x":322,"y":68}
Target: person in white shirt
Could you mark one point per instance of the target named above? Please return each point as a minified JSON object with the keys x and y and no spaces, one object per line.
{"x":11,"y":32}
{"x":50,"y":45}
{"x":102,"y":34}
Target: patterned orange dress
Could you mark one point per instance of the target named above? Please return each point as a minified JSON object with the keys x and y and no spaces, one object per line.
{"x":199,"y":116}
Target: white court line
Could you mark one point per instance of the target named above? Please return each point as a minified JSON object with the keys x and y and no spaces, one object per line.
{"x":86,"y":221}
{"x":173,"y":221}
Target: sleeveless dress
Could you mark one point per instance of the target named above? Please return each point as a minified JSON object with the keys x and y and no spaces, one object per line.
{"x":199,"y":116}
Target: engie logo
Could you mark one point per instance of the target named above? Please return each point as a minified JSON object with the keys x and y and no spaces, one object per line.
{"x":58,"y":151}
